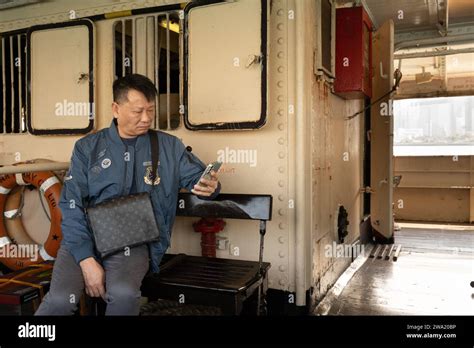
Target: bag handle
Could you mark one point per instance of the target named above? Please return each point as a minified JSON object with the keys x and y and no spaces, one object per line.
{"x":155,"y":155}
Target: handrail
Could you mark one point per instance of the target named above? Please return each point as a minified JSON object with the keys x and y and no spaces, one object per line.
{"x":33,"y":167}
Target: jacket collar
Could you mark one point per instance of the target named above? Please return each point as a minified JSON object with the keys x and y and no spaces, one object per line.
{"x":113,"y":134}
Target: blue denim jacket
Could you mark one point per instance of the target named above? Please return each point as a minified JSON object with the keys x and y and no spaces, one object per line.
{"x":102,"y":168}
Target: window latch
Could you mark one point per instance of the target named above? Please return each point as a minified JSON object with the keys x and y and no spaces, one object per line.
{"x":253,"y":59}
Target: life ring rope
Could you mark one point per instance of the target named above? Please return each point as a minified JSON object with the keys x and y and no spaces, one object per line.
{"x":19,"y":179}
{"x":48,"y":183}
{"x":5,"y":241}
{"x":4,"y":190}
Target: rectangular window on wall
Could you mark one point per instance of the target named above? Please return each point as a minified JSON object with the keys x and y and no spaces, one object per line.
{"x":434,"y":126}
{"x":60,"y":78}
{"x":225,"y":66}
{"x":150,"y":45}
{"x":13,"y":80}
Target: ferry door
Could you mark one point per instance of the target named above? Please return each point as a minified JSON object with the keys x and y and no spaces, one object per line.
{"x":381,"y":135}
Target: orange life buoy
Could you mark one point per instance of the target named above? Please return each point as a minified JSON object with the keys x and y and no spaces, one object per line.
{"x":50,"y":186}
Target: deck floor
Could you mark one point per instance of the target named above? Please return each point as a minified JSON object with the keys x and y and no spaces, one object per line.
{"x":431,"y":277}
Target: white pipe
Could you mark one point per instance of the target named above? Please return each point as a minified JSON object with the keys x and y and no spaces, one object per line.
{"x":33,"y":167}
{"x":301,"y":227}
{"x":433,"y":41}
{"x":433,"y":54}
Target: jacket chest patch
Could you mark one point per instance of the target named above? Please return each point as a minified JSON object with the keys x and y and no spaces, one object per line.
{"x":147,"y":178}
{"x":101,"y":153}
{"x":106,"y":162}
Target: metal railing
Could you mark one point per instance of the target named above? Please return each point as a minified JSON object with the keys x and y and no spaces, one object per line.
{"x":139,"y":42}
{"x":13,"y":79}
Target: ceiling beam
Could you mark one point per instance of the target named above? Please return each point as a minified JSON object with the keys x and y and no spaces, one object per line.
{"x":454,"y":30}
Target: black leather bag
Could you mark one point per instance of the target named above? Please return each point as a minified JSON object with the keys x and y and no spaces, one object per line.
{"x":125,"y":221}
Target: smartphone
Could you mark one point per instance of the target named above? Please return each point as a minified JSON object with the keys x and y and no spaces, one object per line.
{"x":207,"y":172}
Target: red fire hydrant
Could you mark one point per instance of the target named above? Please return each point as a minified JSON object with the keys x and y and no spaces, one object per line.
{"x":208,"y":229}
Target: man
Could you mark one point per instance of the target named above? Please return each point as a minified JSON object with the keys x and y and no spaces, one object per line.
{"x":116,"y":161}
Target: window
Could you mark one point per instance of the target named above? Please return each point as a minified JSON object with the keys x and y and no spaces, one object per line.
{"x":225,"y":67}
{"x":149,"y":45}
{"x":434,"y":126}
{"x":325,"y":35}
{"x":68,"y":106}
{"x":13,"y":79}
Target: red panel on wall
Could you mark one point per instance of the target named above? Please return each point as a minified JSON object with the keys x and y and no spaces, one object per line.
{"x":353,"y":53}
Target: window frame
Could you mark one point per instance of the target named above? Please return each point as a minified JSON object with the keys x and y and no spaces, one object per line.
{"x":61,"y":131}
{"x":263,"y":92}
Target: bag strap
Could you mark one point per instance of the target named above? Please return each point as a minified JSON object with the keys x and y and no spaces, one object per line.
{"x":155,"y":154}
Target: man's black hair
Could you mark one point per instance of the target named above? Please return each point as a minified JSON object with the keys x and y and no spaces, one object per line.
{"x":134,"y":81}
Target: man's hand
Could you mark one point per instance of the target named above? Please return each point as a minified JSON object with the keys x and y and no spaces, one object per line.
{"x":210,"y":187}
{"x":94,"y":277}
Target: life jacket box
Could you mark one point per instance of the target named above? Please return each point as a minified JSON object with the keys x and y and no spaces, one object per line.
{"x":21,"y":291}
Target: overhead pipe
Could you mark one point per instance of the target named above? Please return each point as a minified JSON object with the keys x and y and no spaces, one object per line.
{"x":433,"y":41}
{"x":433,"y":54}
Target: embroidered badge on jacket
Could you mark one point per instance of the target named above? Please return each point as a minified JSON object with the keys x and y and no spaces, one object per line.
{"x":147,"y":177}
{"x":106,"y":162}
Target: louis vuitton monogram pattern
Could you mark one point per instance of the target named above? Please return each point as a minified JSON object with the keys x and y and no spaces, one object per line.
{"x":123,"y":222}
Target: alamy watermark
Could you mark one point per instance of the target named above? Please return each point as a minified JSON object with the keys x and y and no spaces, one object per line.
{"x":343,"y":250}
{"x":23,"y":251}
{"x":244,"y":156}
{"x":68,"y":108}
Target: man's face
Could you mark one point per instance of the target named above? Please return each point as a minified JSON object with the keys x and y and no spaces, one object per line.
{"x":134,"y":115}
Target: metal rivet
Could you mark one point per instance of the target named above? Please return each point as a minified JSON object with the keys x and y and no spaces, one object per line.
{"x":282,"y":226}
{"x":281,"y":254}
{"x":280,"y":112}
{"x":280,"y":84}
{"x":280,"y":54}
{"x":280,"y":40}
{"x":282,"y":240}
{"x":280,"y":98}
{"x":281,"y":141}
{"x":281,"y":69}
{"x":281,"y":183}
{"x":281,"y":126}
{"x":281,"y":198}
{"x":280,"y":26}
{"x":282,"y":268}
{"x":280,"y":12}
{"x":281,"y":169}
{"x":282,"y":282}
{"x":281,"y":155}
{"x":281,"y":212}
